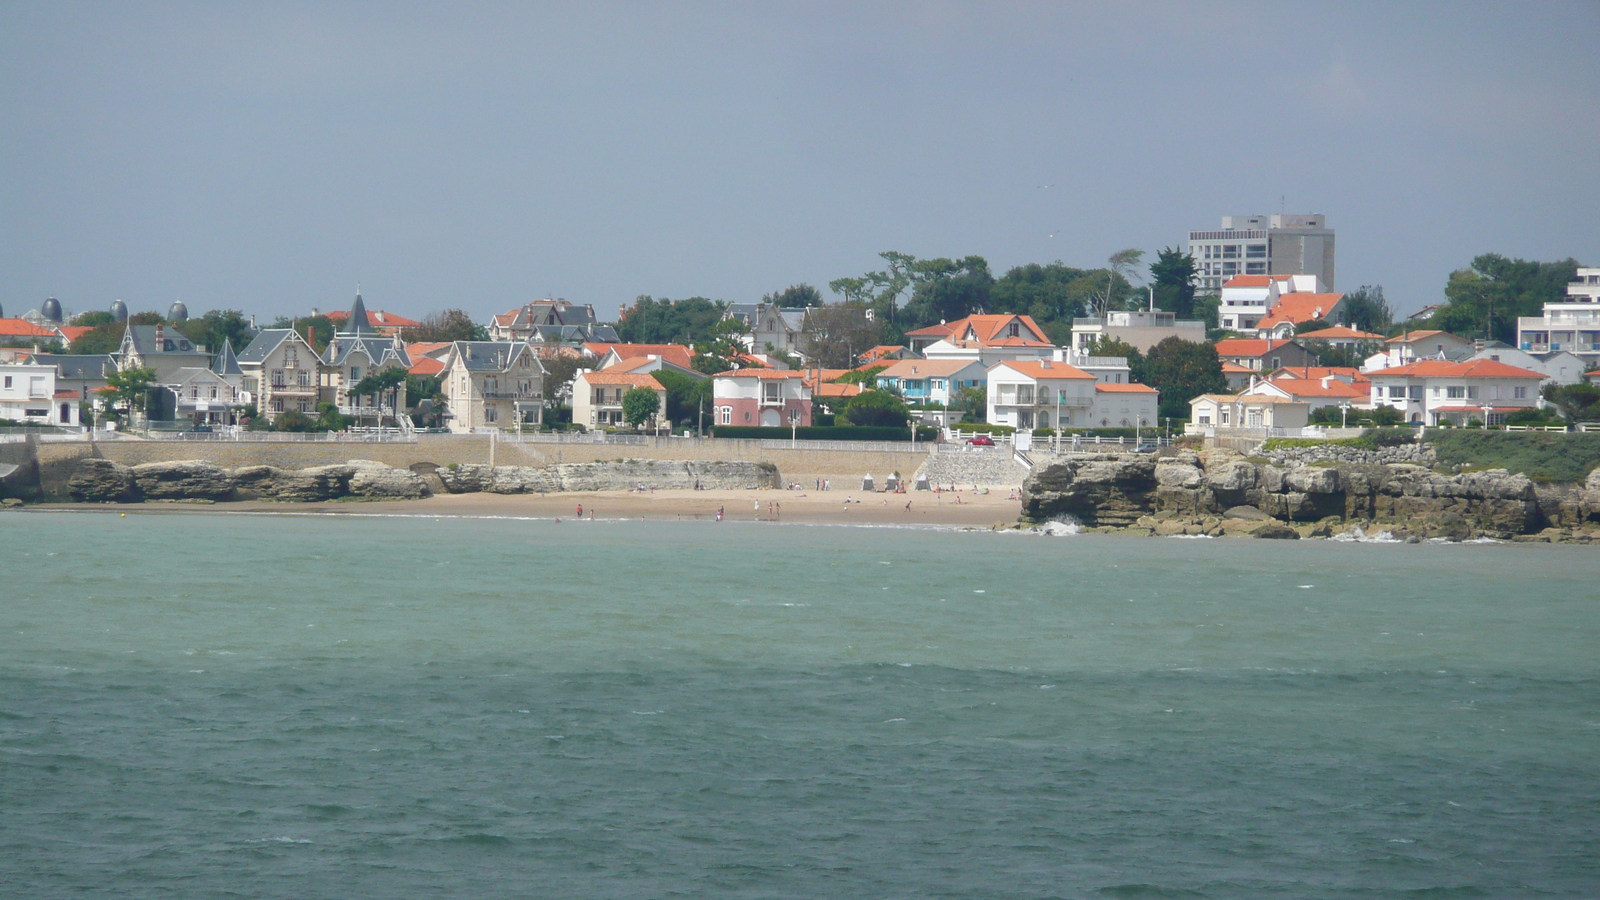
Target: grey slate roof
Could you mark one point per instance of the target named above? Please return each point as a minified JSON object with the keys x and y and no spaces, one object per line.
{"x":490,"y":356}
{"x":144,"y":340}
{"x":266,"y":342}
{"x":358,"y":323}
{"x":378,"y":349}
{"x":225,"y":362}
{"x":92,"y":366}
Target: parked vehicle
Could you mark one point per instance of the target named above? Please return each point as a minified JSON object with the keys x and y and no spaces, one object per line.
{"x":981,"y":441}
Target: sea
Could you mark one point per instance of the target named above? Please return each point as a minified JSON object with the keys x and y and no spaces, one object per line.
{"x":270,"y":706}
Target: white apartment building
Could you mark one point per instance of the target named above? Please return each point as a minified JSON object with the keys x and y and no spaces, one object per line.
{"x":1262,"y":245}
{"x":1572,"y":325}
{"x":1141,"y":328}
{"x":1247,"y":299}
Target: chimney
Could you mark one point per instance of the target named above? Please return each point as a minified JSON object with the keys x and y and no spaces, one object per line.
{"x":1043,"y":364}
{"x":252,"y":321}
{"x":160,"y":337}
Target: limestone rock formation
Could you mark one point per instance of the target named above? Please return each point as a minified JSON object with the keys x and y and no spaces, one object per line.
{"x":190,"y":479}
{"x":1180,"y":493}
{"x":102,"y":481}
{"x":376,"y":481}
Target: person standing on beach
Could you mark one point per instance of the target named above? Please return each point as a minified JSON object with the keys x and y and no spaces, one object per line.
{"x":580,"y":510}
{"x":719,"y":514}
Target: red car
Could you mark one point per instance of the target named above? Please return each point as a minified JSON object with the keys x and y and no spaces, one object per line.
{"x":981,"y":441}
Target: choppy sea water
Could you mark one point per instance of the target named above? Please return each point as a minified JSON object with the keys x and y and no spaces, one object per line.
{"x":269,"y":706}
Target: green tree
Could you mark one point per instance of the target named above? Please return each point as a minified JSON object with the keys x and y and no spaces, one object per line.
{"x":293,"y":420}
{"x":795,"y":296}
{"x":445,"y":326}
{"x":837,"y":335}
{"x":129,"y":389}
{"x":875,"y":408}
{"x":320,"y":328}
{"x":102,"y":339}
{"x":1121,"y":267}
{"x":1172,"y":274}
{"x":330,"y":419}
{"x":947,"y":289}
{"x":559,"y":371}
{"x":1578,"y":402}
{"x":1053,"y":295}
{"x":1486,"y":299}
{"x":687,"y":395}
{"x":639,"y":404}
{"x":665,"y":321}
{"x":146,"y":318}
{"x":1109,"y":346}
{"x":94,"y":319}
{"x":864,"y":377}
{"x":1182,"y":370}
{"x":1366,"y":310}
{"x":216,"y":326}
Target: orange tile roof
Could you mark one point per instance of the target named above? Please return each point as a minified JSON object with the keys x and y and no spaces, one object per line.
{"x":1339,"y":333}
{"x":926,"y":368}
{"x":610,"y":376}
{"x":677,"y":354}
{"x":1125,"y":389}
{"x":73,"y":332}
{"x":1244,"y":281}
{"x":426,"y":365}
{"x":881,"y":350}
{"x":65,"y":394}
{"x":940,"y":330}
{"x":1356,"y":376}
{"x":379,"y":318}
{"x":761,"y":373}
{"x":1229,"y":368}
{"x":809,"y":375}
{"x":423,"y":348}
{"x":838,"y":390}
{"x":1300,"y":307}
{"x":1247,"y":346}
{"x":24,"y":328}
{"x":1045,"y":369}
{"x":1298,"y":388}
{"x":985,"y":329}
{"x":1472,"y":368}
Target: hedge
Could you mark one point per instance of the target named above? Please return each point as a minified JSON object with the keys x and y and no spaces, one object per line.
{"x":983,"y":428}
{"x":820,"y":433}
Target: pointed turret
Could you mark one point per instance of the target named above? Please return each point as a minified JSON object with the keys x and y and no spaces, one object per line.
{"x":225,"y":362}
{"x":358,"y":323}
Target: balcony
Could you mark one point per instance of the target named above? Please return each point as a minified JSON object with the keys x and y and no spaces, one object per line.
{"x":366,"y":411}
{"x":292,"y":388}
{"x":511,"y":395}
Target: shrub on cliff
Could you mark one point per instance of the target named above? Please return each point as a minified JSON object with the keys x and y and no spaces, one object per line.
{"x":1540,"y":455}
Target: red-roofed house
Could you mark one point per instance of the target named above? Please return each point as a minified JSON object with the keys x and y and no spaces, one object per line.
{"x":597,"y":397}
{"x":887,"y":353}
{"x":1315,"y":392}
{"x":1043,"y":393}
{"x":19,"y":330}
{"x":1245,"y":299}
{"x":607,"y":355}
{"x":765,"y":397}
{"x":1340,"y":336}
{"x":1414,"y":345}
{"x":386,"y":323}
{"x":1434,"y":390}
{"x":1297,"y":308}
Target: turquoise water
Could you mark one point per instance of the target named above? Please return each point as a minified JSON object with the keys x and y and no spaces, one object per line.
{"x":299,"y":706}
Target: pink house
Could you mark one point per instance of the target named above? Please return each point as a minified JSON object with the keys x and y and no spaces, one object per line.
{"x":766,"y":397}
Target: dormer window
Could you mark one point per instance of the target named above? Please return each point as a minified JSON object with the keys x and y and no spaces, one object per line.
{"x":1015,"y":329}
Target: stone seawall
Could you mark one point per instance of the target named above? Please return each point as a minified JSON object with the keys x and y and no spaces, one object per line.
{"x":1221,"y":492}
{"x":57,"y":461}
{"x":618,"y":475}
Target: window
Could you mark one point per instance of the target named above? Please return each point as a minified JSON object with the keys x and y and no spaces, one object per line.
{"x":770,"y":392}
{"x":1397,"y":392}
{"x":1253,"y":417}
{"x":305,"y":406}
{"x":1472,"y":392}
{"x":8,"y":381}
{"x":725,"y":416}
{"x":490,"y":414}
{"x":355,"y":374}
{"x":1455,"y":392}
{"x":277,"y":405}
{"x":1416,"y":392}
{"x":1015,"y":329}
{"x":1205,"y":418}
{"x":1224,"y":415}
{"x":1255,"y":251}
{"x":1520,"y":393}
{"x":1276,"y":363}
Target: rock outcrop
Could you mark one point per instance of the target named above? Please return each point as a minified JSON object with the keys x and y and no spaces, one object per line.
{"x":1219,"y":491}
{"x":103,"y":481}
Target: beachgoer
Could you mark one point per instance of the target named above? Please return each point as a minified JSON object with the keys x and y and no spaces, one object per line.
{"x":908,"y":504}
{"x":719,"y":514}
{"x":580,"y":510}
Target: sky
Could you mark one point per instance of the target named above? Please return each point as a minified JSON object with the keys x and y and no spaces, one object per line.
{"x":270,"y":157}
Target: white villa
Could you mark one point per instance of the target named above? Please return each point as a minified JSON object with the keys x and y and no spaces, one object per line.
{"x":1431,"y":391}
{"x":28,"y":394}
{"x":1044,"y":393}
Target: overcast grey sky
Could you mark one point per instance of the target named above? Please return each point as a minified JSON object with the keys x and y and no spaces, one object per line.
{"x":268,"y":157}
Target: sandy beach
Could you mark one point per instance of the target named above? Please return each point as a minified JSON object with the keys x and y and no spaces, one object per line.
{"x":961,"y":508}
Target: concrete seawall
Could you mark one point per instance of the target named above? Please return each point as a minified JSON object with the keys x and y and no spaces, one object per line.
{"x":58,"y":460}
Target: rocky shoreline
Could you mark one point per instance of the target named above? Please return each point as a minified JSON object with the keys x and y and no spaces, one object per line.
{"x":1222,"y":493}
{"x":201,"y":481}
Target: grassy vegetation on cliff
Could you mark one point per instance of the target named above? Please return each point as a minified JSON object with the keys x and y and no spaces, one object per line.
{"x":1542,"y":456}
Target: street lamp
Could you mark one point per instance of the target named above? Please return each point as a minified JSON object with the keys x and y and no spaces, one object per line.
{"x":1344,"y":412}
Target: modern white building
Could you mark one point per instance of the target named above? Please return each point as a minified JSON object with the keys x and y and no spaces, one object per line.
{"x":1572,"y":325}
{"x":1140,"y":328}
{"x":28,"y":394}
{"x":1262,"y":245}
{"x":1252,"y":302}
